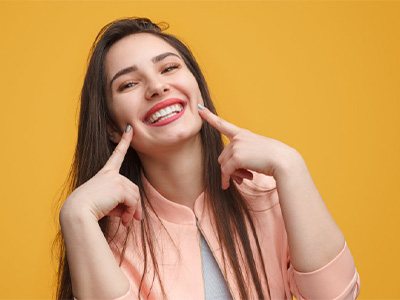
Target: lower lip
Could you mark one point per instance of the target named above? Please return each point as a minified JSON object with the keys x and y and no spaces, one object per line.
{"x":170,"y":119}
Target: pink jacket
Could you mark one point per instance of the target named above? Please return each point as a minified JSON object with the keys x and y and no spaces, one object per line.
{"x":181,"y":271}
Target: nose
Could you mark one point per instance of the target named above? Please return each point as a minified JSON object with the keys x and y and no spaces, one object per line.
{"x":156,"y":88}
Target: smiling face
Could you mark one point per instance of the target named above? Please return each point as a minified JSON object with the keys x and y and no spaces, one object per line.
{"x":150,"y":87}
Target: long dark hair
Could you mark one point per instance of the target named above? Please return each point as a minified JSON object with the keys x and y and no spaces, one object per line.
{"x":230,"y":213}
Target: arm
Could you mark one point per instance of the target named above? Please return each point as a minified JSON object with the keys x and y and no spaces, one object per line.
{"x":94,"y":271}
{"x":321,"y":266}
{"x":313,"y":236}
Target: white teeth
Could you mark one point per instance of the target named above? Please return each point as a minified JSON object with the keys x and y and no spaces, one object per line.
{"x":165,"y":113}
{"x":168,"y":116}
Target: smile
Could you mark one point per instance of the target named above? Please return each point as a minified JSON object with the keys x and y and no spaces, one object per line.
{"x":165,"y":112}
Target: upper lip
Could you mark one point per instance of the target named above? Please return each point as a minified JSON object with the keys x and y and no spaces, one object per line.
{"x":162,"y":104}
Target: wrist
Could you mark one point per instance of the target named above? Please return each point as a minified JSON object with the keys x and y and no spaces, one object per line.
{"x":71,"y":213}
{"x":290,"y":163}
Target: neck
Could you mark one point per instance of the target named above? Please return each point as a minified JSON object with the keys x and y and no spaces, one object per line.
{"x":177,"y":173}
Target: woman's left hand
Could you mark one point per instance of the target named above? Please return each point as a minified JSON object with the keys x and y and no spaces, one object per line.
{"x":314,"y":239}
{"x":249,"y":151}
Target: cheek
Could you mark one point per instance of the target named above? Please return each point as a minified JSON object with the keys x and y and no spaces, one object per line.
{"x":197,"y":95}
{"x":188,"y":83}
{"x":196,"y":121}
{"x":124,"y":111}
{"x":139,"y":140}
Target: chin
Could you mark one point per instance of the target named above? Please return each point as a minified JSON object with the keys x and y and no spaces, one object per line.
{"x":179,"y":137}
{"x":174,"y":137}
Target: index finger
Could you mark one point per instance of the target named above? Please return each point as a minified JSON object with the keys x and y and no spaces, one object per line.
{"x":218,"y":123}
{"x":118,"y":155}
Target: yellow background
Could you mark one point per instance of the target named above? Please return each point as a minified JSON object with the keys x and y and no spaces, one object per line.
{"x":322,"y":77}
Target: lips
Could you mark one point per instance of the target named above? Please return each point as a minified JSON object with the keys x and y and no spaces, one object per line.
{"x":161,"y":105}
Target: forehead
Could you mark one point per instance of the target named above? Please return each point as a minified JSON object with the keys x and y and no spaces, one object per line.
{"x":135,"y":49}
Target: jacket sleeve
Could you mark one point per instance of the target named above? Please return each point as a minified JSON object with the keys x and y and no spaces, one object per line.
{"x":129,"y":295}
{"x":337,"y":280}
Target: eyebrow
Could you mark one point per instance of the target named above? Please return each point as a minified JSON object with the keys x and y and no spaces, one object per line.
{"x":134,"y":68}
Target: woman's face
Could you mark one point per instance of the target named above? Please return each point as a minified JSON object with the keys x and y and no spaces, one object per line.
{"x":150,"y":87}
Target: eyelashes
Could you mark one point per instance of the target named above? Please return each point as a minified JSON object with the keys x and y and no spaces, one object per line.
{"x":167,"y":69}
{"x":126,"y":85}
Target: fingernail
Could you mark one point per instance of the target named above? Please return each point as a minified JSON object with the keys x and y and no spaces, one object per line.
{"x":200,"y":106}
{"x":128,"y":128}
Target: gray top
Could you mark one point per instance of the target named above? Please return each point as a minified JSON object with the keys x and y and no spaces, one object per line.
{"x":214,"y":282}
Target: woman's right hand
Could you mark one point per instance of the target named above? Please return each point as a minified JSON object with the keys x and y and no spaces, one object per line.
{"x":109,"y":193}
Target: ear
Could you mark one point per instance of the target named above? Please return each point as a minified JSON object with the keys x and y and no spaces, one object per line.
{"x":113,"y":134}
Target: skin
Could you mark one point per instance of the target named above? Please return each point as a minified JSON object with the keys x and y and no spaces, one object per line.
{"x":171,"y":154}
{"x":172,"y":162}
{"x":313,"y":236}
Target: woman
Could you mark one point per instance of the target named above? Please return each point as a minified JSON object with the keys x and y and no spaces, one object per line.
{"x":201,"y":220}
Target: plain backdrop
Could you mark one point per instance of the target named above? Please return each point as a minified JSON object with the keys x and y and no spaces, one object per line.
{"x":322,"y":77}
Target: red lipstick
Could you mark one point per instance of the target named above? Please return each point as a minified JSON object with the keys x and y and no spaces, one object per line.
{"x":163,"y":104}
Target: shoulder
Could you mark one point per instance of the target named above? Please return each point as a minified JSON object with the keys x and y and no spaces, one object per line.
{"x":260,"y":192}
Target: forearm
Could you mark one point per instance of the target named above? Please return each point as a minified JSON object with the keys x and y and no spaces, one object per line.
{"x":94,"y":271}
{"x":313,"y":236}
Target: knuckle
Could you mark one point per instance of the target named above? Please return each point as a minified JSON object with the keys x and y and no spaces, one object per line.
{"x":236,"y":138}
{"x":130,"y":201}
{"x":223,"y":170}
{"x":235,"y":147}
{"x":135,"y":187}
{"x":120,"y":179}
{"x":235,"y":157}
{"x":133,"y":201}
{"x":120,"y":183}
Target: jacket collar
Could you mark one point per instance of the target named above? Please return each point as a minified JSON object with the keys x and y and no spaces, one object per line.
{"x":171,"y":211}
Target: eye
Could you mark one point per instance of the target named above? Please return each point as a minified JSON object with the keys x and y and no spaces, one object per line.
{"x":127,"y":85}
{"x":169,"y":68}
